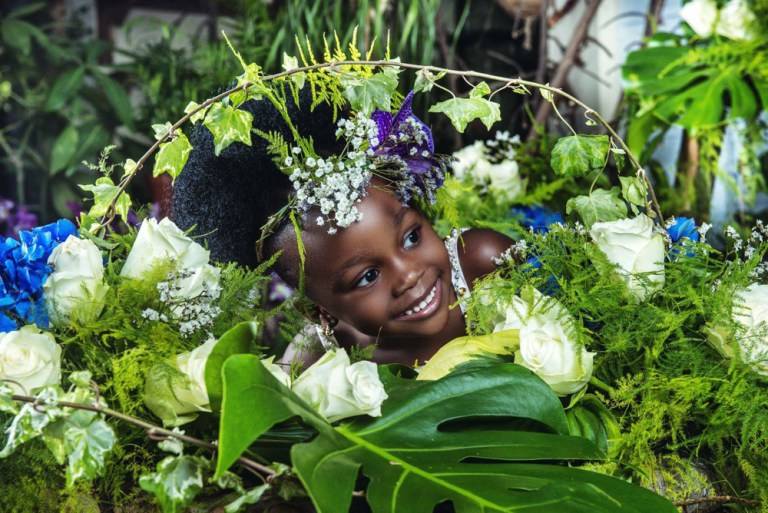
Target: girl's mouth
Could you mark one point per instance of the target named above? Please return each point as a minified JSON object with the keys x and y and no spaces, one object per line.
{"x":425,"y":306}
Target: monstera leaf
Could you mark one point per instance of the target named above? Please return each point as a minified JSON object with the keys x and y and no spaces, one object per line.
{"x":471,"y":438}
{"x":674,"y":88}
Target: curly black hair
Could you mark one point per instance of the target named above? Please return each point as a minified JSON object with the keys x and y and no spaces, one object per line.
{"x":227,"y":199}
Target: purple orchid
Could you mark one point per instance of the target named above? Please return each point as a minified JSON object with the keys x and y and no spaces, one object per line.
{"x":405,"y":139}
{"x":406,"y":136}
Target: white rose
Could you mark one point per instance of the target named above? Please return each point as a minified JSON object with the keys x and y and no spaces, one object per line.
{"x":200,"y":279}
{"x":467,"y":158}
{"x":751,"y":313}
{"x":338,"y":390}
{"x":736,"y":21}
{"x":178,"y":401}
{"x":701,"y":15}
{"x":366,"y":387}
{"x":30,"y":358}
{"x":548,"y":344}
{"x":277,"y":371}
{"x":633,"y":245}
{"x":75,"y":289}
{"x":505,"y":180}
{"x":164,"y":241}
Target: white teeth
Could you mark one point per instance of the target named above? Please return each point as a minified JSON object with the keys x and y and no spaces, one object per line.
{"x":421,"y":306}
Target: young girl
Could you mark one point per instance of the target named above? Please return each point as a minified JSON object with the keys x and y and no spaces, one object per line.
{"x":385,"y":279}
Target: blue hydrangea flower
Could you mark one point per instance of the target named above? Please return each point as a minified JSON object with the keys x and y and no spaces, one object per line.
{"x":536,"y":217}
{"x":550,"y":287}
{"x":23,"y":270}
{"x":683,"y":228}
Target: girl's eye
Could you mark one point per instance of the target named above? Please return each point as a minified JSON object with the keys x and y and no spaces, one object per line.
{"x":412,"y":238}
{"x":368,"y":278}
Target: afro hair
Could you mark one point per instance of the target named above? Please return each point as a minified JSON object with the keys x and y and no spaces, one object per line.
{"x":227,"y":199}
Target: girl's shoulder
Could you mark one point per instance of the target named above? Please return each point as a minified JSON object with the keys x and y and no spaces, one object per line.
{"x":478,"y":249}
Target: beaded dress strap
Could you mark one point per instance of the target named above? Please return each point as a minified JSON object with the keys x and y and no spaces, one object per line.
{"x":458,"y":280}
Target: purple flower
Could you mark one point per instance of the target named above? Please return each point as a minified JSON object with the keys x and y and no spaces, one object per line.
{"x":6,"y":206}
{"x":406,"y":141}
{"x":23,"y":219}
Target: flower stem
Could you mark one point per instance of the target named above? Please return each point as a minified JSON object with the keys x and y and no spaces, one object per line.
{"x":605,"y":387}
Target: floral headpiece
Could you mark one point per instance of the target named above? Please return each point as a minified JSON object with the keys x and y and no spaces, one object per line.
{"x":397,"y":147}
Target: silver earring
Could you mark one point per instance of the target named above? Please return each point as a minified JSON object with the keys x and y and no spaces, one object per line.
{"x":326,"y":335}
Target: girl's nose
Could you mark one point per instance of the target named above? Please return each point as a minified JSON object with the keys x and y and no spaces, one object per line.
{"x":409,"y":276}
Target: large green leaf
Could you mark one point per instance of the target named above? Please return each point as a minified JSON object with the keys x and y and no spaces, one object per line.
{"x":701,"y":105}
{"x":64,"y":88}
{"x":64,"y":149}
{"x":648,"y":63}
{"x":237,"y":340}
{"x":690,"y":95}
{"x":468,"y":438}
{"x":116,"y":96}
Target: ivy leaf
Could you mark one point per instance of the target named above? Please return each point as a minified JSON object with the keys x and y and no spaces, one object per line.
{"x":172,"y":157}
{"x":197,"y":116}
{"x":634,"y":190}
{"x":104,"y":191}
{"x":291,"y":63}
{"x":462,"y":111}
{"x":228,"y":125}
{"x":600,"y":205}
{"x":64,"y":149}
{"x":251,"y":75}
{"x":176,"y":482}
{"x":86,"y":442}
{"x":7,"y":404}
{"x":415,"y":455}
{"x":161,"y":130}
{"x":480,"y":90}
{"x":578,"y":155}
{"x":368,"y":94}
{"x":425,"y":80}
{"x":29,"y":422}
{"x":251,"y":496}
{"x":237,"y":340}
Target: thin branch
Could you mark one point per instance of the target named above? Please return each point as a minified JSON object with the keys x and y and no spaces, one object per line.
{"x":541,"y":70}
{"x":561,"y":13}
{"x":509,"y":83}
{"x":718,"y":499}
{"x":152,"y":430}
{"x":574,"y":47}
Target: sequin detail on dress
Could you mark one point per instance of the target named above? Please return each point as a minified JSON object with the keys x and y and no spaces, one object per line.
{"x":458,"y":280}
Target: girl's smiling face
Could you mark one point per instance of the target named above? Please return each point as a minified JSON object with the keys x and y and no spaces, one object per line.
{"x":387,"y":275}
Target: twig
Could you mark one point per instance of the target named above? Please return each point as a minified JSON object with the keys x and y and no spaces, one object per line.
{"x":508,"y":83}
{"x":154,"y":432}
{"x":561,"y":13}
{"x":718,"y":499}
{"x":541,"y":69}
{"x":574,"y":47}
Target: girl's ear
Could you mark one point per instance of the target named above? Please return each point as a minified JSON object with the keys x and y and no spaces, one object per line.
{"x":325,"y":318}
